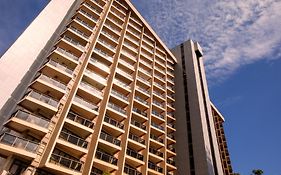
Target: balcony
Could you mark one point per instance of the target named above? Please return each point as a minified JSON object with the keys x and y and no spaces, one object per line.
{"x":123,"y":97}
{"x":147,"y":82}
{"x":110,"y":36}
{"x":77,"y":141}
{"x":143,"y":90}
{"x":65,"y":162}
{"x":107,"y":45}
{"x":158,"y":139}
{"x":106,"y":157}
{"x":88,"y":14}
{"x":11,"y":145}
{"x":157,"y":114}
{"x":110,"y":139}
{"x":24,"y":121}
{"x":171,"y":162}
{"x":159,"y":85}
{"x":85,"y":24}
{"x":87,"y":107}
{"x":159,"y":94}
{"x":79,"y":124}
{"x":122,"y":84}
{"x":141,"y":100}
{"x":171,"y":114}
{"x":100,"y":65}
{"x":134,"y":154}
{"x":125,"y":74}
{"x":155,"y":152}
{"x":67,"y":53}
{"x":171,"y":136}
{"x":127,"y":64}
{"x":158,"y":104}
{"x":103,"y":54}
{"x":35,"y":100}
{"x":136,"y":138}
{"x":142,"y":113}
{"x":145,"y":71}
{"x":74,"y":42}
{"x":131,"y":171}
{"x":96,"y":171}
{"x":159,"y":77}
{"x":60,"y":67}
{"x":96,"y":77}
{"x":117,"y":108}
{"x":79,"y":32}
{"x":172,"y":125}
{"x":113,"y":122}
{"x":52,"y":81}
{"x":171,"y":148}
{"x":158,"y":126}
{"x":92,"y":89}
{"x":110,"y":27}
{"x":137,"y":124}
{"x":155,"y":167}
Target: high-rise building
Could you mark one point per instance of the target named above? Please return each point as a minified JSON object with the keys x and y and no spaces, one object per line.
{"x":89,"y":89}
{"x":225,"y":158}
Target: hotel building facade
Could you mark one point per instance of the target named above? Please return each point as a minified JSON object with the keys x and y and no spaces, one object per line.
{"x":90,"y":89}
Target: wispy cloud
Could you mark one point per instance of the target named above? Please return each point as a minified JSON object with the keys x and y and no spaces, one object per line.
{"x":233,"y":33}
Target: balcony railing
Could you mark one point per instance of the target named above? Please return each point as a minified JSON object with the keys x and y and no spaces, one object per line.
{"x":130,"y":46}
{"x":60,"y":66}
{"x":144,"y":80}
{"x":119,"y":95}
{"x":19,"y":142}
{"x":154,"y":151}
{"x":171,"y":148}
{"x":171,"y":114}
{"x":123,"y":73}
{"x":96,"y":171}
{"x":145,"y":71}
{"x":159,"y":94}
{"x":92,"y":7}
{"x":117,"y":108}
{"x":143,"y":113}
{"x":157,"y":126}
{"x":134,"y":154}
{"x":171,"y":162}
{"x":52,"y":81}
{"x":84,"y":23}
{"x":171,"y":136}
{"x":108,"y":35}
{"x":137,"y":124}
{"x":65,"y":52}
{"x":136,"y":138}
{"x":155,"y":167}
{"x":32,"y":118}
{"x":113,"y":122}
{"x":145,"y":63}
{"x":89,"y":15}
{"x":107,"y":44}
{"x":159,"y":77}
{"x":96,"y":76}
{"x":141,"y":100}
{"x":85,"y":103}
{"x":172,"y":125}
{"x":106,"y":157}
{"x":78,"y":119}
{"x":131,"y":171}
{"x":66,"y":162}
{"x":157,"y":114}
{"x":127,"y":64}
{"x":159,"y":85}
{"x":110,"y":139}
{"x":122,"y":83}
{"x":79,"y":32}
{"x":91,"y":88}
{"x":143,"y":90}
{"x":73,"y":139}
{"x":99,"y":63}
{"x":74,"y":42}
{"x":158,"y":104}
{"x":111,"y":27}
{"x":172,"y":96}
{"x":103,"y":53}
{"x":43,"y":98}
{"x":154,"y":137}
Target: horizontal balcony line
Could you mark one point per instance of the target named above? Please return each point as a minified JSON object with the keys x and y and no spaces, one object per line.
{"x":78,"y":119}
{"x":73,"y":139}
{"x":66,"y":162}
{"x":23,"y":115}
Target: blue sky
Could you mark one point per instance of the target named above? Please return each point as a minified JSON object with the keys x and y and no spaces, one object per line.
{"x":242,"y":45}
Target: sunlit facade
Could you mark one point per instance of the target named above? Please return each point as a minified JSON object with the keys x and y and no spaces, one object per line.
{"x":95,"y":94}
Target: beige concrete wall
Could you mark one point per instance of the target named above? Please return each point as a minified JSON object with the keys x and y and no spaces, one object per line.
{"x":21,"y":55}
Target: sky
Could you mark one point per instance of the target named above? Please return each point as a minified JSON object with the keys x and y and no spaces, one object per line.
{"x":241,"y":40}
